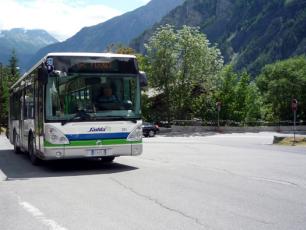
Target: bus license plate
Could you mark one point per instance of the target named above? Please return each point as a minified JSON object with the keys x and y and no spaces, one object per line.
{"x":99,"y":152}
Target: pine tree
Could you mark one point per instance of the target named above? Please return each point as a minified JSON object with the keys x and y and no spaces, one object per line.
{"x":8,"y":76}
{"x":3,"y":98}
{"x":14,"y":69}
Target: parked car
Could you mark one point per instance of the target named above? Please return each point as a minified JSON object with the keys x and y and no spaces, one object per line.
{"x":149,"y":129}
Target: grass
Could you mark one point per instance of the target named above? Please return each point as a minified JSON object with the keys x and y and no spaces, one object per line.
{"x":2,"y":130}
{"x":299,"y":141}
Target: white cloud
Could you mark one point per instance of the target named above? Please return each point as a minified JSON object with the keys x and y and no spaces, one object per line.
{"x":58,"y":17}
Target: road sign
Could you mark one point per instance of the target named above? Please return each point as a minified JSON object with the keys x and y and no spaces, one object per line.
{"x":218,"y":105}
{"x":294,"y":105}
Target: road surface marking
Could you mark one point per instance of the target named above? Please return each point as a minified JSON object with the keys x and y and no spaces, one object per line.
{"x":3,"y":177}
{"x":51,"y":224}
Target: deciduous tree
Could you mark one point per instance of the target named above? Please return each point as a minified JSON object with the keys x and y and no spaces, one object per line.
{"x":183,"y":65}
{"x":279,"y":83}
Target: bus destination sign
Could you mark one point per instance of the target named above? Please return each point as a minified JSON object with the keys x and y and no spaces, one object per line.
{"x":93,"y":67}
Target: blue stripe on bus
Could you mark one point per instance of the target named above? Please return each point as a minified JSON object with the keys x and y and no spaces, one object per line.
{"x":96,"y":136}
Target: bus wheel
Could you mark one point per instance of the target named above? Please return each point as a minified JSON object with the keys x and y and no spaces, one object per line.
{"x":16,"y":148}
{"x":34,"y":159}
{"x":107,"y":159}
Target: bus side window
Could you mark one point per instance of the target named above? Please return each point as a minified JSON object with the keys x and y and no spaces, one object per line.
{"x":29,"y":103}
{"x":17,"y":105}
{"x":12,"y":107}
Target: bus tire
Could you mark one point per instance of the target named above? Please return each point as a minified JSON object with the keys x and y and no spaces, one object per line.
{"x":108,"y":159}
{"x":16,"y":148}
{"x":34,"y":159}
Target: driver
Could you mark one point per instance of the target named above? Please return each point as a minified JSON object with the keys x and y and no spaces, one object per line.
{"x":107,"y":95}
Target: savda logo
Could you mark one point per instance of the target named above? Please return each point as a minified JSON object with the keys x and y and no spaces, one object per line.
{"x":100,"y":129}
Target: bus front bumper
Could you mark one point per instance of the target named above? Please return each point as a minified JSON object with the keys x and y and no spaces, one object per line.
{"x":56,"y":153}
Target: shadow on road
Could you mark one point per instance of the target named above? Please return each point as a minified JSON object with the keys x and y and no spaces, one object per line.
{"x":17,"y":167}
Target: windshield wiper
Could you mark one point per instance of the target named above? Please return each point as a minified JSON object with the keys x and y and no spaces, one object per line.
{"x":82,"y":114}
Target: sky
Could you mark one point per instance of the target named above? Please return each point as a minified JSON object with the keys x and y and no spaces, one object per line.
{"x":61,"y":18}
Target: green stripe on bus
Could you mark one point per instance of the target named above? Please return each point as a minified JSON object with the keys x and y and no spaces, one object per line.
{"x":94,"y":143}
{"x":48,"y":144}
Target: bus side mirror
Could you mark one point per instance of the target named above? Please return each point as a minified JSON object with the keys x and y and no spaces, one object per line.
{"x":143,"y":79}
{"x":43,"y":75}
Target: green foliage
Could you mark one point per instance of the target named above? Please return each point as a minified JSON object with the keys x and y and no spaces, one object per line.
{"x":8,"y":76}
{"x":162,"y":54}
{"x":121,"y":49}
{"x":253,"y":104}
{"x":143,"y":63}
{"x":4,"y":95}
{"x":240,"y":98}
{"x":146,"y":108}
{"x":182,"y":65}
{"x":241,"y":91}
{"x":197,"y":68}
{"x":203,"y":106}
{"x":226,"y":92}
{"x":279,"y":83}
{"x":14,"y":69}
{"x":180,"y":62}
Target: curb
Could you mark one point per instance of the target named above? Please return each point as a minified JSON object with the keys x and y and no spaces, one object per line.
{"x":3,"y":177}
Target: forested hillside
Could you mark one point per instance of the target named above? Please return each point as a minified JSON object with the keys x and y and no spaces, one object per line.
{"x":250,"y":33}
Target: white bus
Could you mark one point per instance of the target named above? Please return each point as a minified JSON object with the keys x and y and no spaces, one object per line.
{"x":78,"y":105}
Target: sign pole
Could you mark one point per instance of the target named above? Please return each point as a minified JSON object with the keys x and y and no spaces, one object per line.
{"x":294,"y":106}
{"x":218,"y":105}
{"x":218,"y":119}
{"x":294,"y":125}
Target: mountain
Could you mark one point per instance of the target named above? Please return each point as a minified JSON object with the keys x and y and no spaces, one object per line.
{"x":25,"y":42}
{"x":250,"y":33}
{"x":118,"y":30}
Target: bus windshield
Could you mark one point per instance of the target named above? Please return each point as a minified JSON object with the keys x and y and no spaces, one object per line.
{"x":85,"y":97}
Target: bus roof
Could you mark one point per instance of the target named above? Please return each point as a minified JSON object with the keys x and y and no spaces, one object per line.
{"x":73,"y":54}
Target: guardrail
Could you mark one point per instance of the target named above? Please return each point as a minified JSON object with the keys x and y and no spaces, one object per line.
{"x":230,"y":123}
{"x":232,"y":126}
{"x":227,"y":129}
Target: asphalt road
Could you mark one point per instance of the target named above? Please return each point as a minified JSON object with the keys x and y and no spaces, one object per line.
{"x":234,"y":181}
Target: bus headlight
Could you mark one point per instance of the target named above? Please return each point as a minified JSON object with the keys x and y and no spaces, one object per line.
{"x":54,"y":136}
{"x":136,"y":134}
